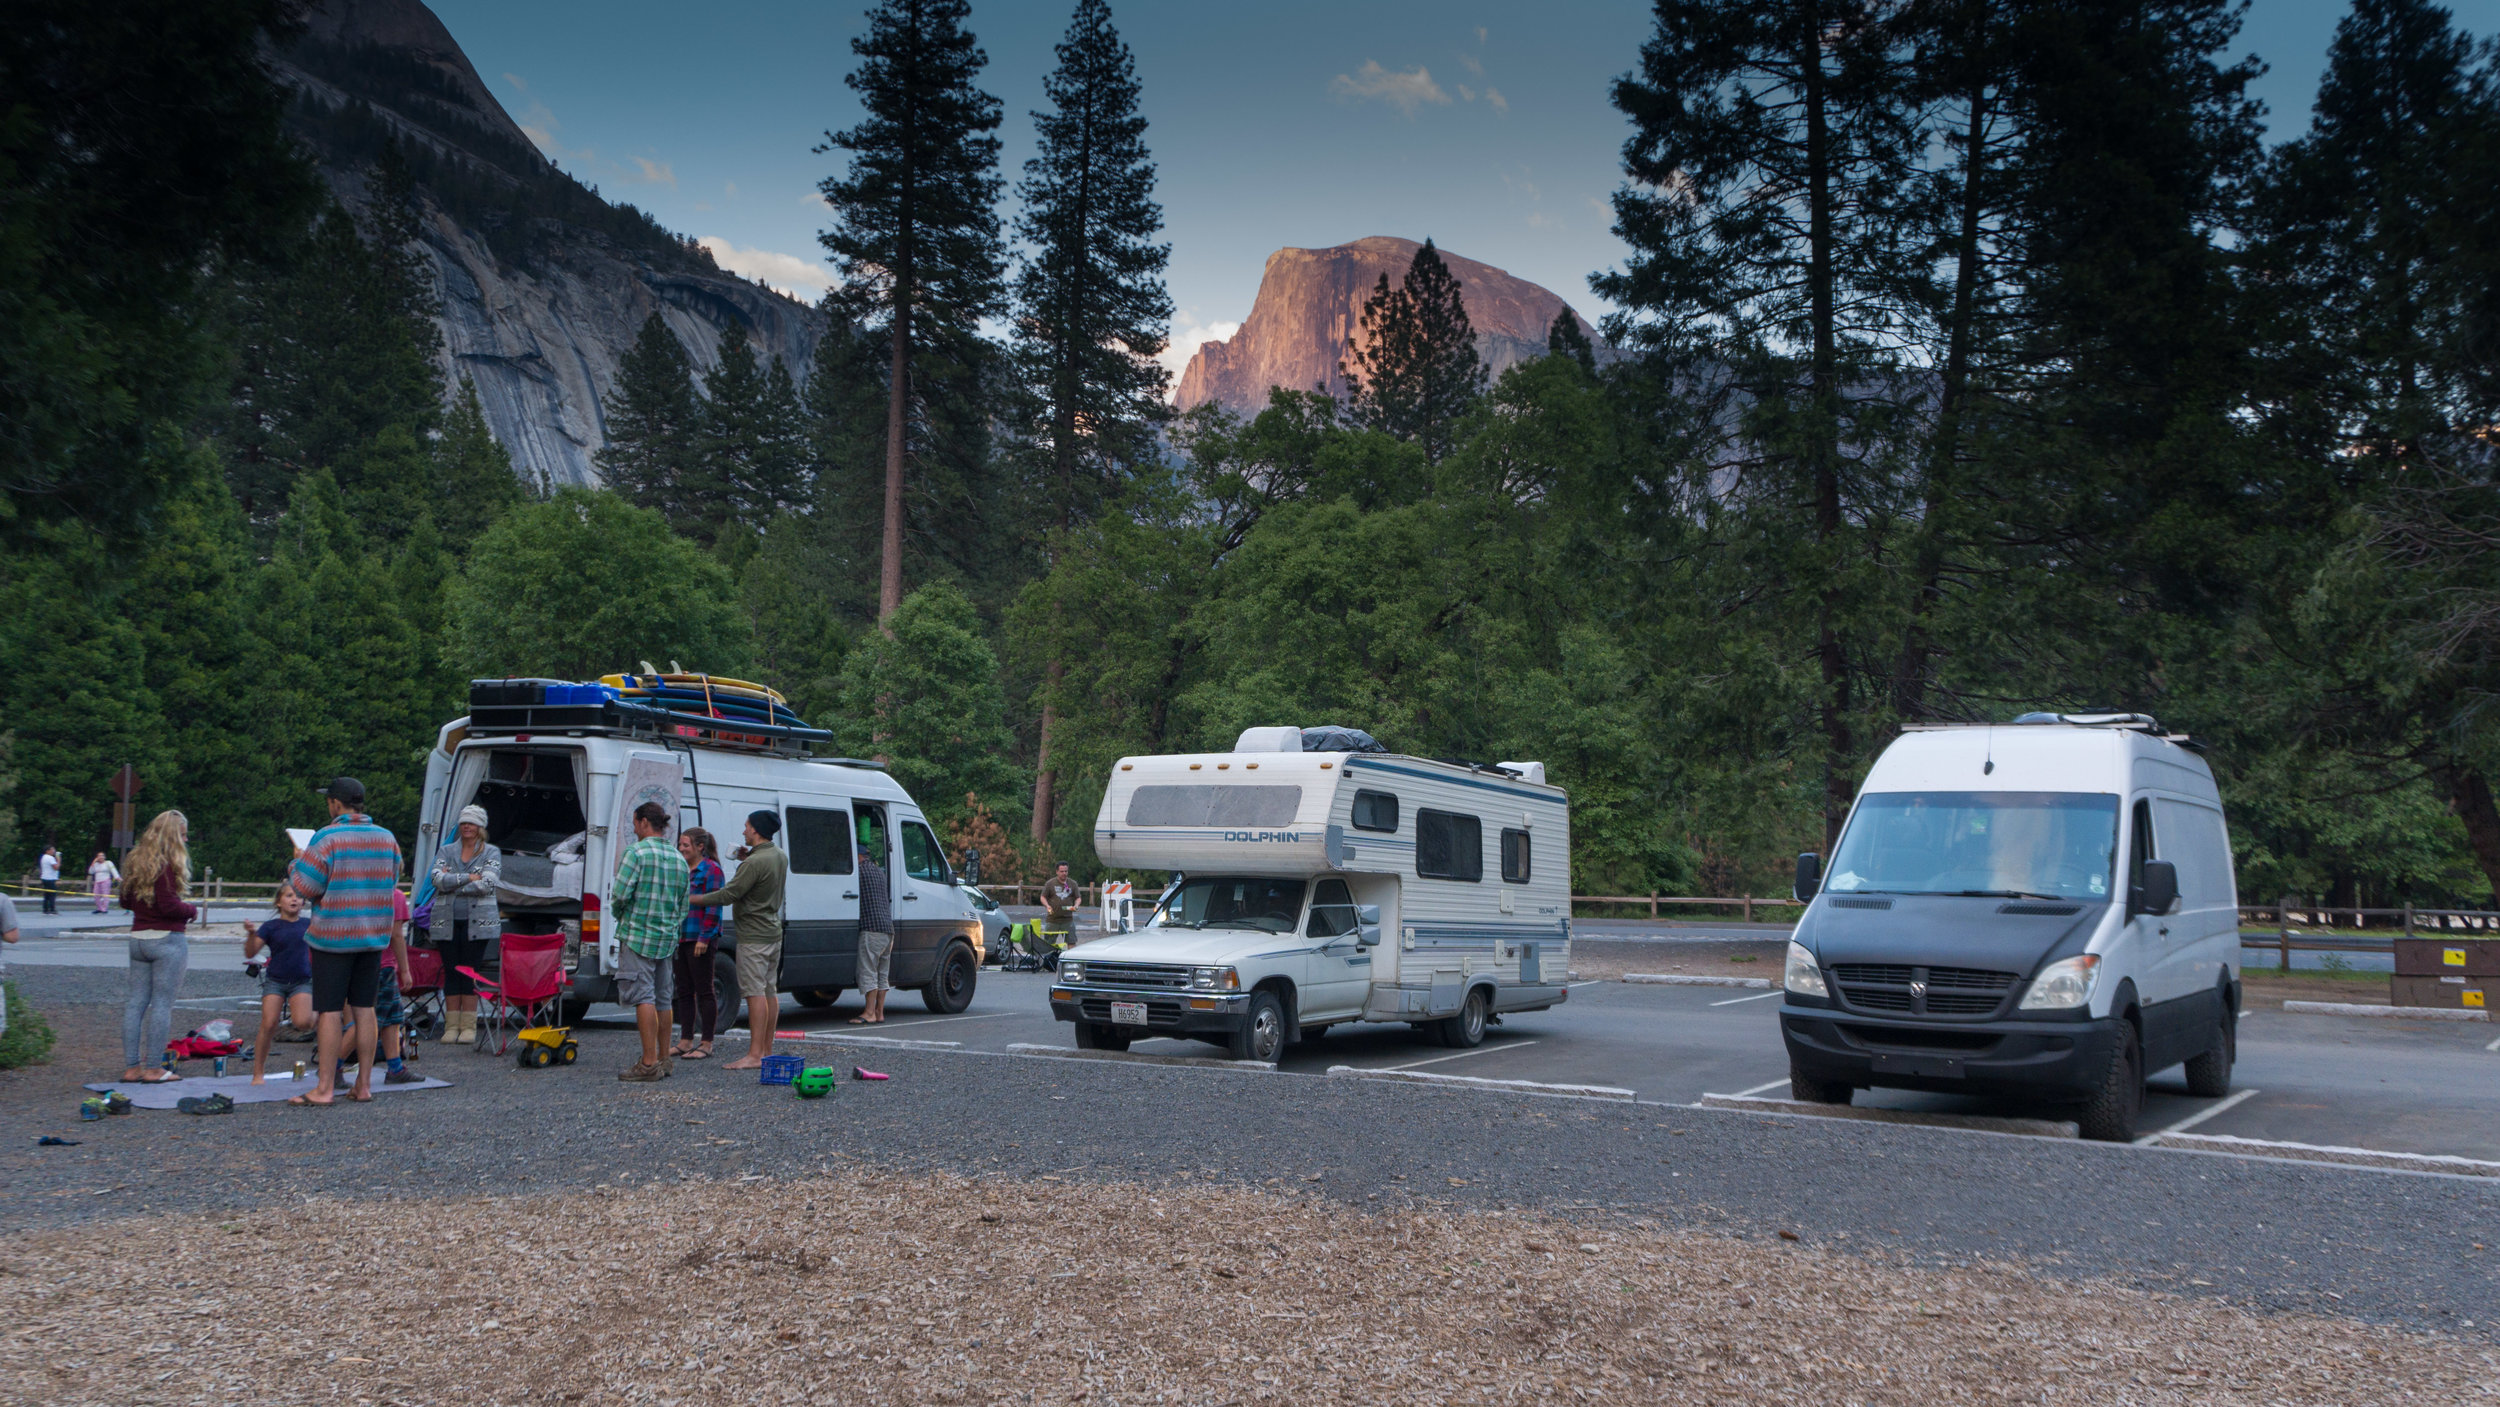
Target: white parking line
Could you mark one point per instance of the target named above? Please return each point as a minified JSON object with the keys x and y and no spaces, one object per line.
{"x":2495,"y":1045}
{"x":942,"y":1020}
{"x":2202,"y":1115}
{"x":1758,"y":996}
{"x":1480,"y":1050}
{"x":1757,"y":1089}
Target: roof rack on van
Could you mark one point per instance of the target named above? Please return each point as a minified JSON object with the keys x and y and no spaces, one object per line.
{"x":623,"y":718}
{"x":868,"y":763}
{"x":2131,"y":722}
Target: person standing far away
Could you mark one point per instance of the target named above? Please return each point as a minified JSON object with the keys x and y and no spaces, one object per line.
{"x":876,"y":939}
{"x":48,"y":869}
{"x":350,"y":872}
{"x":754,"y":894}
{"x":649,"y":901}
{"x":286,"y":982}
{"x":1059,"y":898}
{"x":160,"y":948}
{"x":698,"y":1001}
{"x":102,"y":876}
{"x":467,"y":872}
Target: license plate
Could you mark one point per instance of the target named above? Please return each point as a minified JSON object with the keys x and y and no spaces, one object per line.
{"x":1128,"y":1013}
{"x":1931,"y":1067}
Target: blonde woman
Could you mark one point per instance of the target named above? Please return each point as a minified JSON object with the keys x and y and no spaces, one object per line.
{"x":160,"y":948}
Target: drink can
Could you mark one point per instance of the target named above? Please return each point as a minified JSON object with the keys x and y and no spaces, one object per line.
{"x":221,"y":1067}
{"x":299,"y":1070}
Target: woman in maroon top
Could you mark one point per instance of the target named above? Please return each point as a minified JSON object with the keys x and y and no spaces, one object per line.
{"x":160,"y":948}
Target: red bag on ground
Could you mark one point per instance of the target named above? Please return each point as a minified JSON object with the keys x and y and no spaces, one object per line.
{"x":193,"y":1048}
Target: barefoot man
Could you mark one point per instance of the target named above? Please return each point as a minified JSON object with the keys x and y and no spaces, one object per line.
{"x":351,"y":874}
{"x":754,"y":894}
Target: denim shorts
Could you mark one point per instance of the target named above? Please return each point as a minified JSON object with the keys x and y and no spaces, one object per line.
{"x":272,"y":987}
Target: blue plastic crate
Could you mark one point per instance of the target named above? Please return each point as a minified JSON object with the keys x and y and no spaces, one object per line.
{"x":779,"y":1069}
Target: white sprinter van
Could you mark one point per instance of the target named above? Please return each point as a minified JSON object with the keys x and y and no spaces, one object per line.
{"x":2043,"y":909}
{"x":1315,"y":888}
{"x":560,"y":785}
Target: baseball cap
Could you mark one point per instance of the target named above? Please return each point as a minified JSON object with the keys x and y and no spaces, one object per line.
{"x":346,"y":789}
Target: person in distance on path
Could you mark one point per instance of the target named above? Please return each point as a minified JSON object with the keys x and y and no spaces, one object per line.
{"x":48,"y":869}
{"x":1059,"y":898}
{"x":876,"y":939}
{"x":8,"y":934}
{"x":755,"y":893}
{"x":102,"y":876}
{"x":351,"y":874}
{"x":649,"y":901}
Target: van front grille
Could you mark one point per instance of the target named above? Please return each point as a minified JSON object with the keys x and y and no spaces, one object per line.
{"x":1961,"y":992}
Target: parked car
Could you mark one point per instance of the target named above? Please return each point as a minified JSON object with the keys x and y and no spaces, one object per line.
{"x":994,"y":920}
{"x":2044,"y":909}
{"x":1325,"y":887}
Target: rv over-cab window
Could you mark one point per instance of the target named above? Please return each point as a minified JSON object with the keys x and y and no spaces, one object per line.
{"x":818,"y":840}
{"x":1514,"y":857}
{"x":1375,"y":811}
{"x":1448,"y":845}
{"x":1214,"y":806}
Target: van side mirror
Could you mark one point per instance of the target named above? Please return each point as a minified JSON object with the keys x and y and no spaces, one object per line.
{"x":1809,"y":876}
{"x":2160,"y":890}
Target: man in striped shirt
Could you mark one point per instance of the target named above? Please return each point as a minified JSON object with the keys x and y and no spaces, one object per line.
{"x":350,"y":875}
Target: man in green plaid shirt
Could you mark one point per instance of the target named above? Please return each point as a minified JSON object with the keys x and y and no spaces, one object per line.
{"x":649,"y":902}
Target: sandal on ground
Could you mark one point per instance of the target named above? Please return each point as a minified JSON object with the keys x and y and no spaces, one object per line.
{"x":700,"y":1052}
{"x":306,"y":1101}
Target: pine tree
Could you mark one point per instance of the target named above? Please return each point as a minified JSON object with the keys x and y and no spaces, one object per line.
{"x":473,"y":478}
{"x":1413,"y":371}
{"x":729,"y":446}
{"x":1565,"y":339}
{"x":652,"y":421}
{"x":918,"y":238}
{"x":1091,"y":309}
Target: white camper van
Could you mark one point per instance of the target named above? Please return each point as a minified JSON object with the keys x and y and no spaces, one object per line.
{"x":1311,"y":888}
{"x":560,"y":785}
{"x":2044,"y":908}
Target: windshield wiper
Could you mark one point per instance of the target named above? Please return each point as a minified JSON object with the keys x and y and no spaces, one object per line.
{"x":2001,"y":894}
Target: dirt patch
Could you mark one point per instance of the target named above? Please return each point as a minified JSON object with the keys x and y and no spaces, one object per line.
{"x":2270,"y":986}
{"x":909,"y":1289}
{"x":1597,"y":960}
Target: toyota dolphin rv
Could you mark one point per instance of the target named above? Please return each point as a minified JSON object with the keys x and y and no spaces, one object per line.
{"x":1316,"y":883}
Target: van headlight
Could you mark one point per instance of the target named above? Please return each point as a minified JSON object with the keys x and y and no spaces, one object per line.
{"x":2063,"y":985}
{"x":1803,"y":976}
{"x":1071,"y":972}
{"x":1215,"y":979}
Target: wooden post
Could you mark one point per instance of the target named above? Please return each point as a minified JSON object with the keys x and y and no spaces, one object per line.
{"x":2408,"y":918}
{"x":2283,"y":932}
{"x":1653,"y":904}
{"x":1749,"y":908}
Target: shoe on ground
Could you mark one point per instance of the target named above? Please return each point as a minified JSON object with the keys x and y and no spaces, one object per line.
{"x":118,"y":1103}
{"x":403,"y":1076}
{"x":640,"y":1074}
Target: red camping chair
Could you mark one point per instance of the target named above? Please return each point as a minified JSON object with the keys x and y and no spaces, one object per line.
{"x":528,"y":990}
{"x":421,"y":990}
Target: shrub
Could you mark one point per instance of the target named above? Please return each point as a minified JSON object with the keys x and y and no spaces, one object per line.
{"x":29,"y":1037}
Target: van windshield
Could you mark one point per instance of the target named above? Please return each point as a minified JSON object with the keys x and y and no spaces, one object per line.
{"x":2013,"y":844}
{"x":1270,"y":905}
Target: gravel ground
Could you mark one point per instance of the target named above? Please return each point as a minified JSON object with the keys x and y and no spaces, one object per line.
{"x":2408,"y":1251}
{"x":862,"y":1286}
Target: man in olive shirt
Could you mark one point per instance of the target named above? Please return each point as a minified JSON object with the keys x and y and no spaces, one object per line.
{"x":755,"y":891}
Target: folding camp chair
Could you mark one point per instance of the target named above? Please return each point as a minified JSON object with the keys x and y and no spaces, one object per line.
{"x":527,"y":990}
{"x":421,"y":991}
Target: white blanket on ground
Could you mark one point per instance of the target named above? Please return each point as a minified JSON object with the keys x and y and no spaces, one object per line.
{"x":240,"y":1089}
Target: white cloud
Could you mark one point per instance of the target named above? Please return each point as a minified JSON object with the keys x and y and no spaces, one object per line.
{"x":1481,"y":32}
{"x":803,"y":279}
{"x":732,"y":187}
{"x":1403,"y":91}
{"x":1466,"y":94}
{"x":1470,"y":63}
{"x":1188,"y":335}
{"x":517,"y":81}
{"x":649,"y":172}
{"x":1500,"y":103}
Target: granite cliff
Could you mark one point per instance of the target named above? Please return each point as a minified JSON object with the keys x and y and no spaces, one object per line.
{"x":543,"y":283}
{"x":1311,"y":300}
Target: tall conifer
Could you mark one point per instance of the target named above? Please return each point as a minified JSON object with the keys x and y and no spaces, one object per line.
{"x":1414,"y":370}
{"x":918,"y":238}
{"x":652,"y":419}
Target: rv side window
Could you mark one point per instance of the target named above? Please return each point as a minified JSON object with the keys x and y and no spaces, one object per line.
{"x":922,"y":859}
{"x":1514,"y":856}
{"x":1332,"y":910}
{"x":1448,"y":845}
{"x":817,"y":840}
{"x":1375,"y":811}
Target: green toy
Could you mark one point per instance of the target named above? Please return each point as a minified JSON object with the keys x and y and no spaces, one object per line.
{"x":814,"y":1082}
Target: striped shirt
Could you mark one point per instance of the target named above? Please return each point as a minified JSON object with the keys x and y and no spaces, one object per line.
{"x":649,"y":897}
{"x":351,"y":873}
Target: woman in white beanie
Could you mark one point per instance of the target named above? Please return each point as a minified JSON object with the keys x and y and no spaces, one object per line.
{"x":466,"y":872}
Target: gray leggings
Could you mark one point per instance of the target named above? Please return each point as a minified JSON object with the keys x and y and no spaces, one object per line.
{"x":157,"y":963}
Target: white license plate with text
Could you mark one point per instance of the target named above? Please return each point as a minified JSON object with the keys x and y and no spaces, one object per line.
{"x":1128,"y":1013}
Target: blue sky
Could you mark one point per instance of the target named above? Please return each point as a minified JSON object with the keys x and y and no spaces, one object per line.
{"x":1483,"y":126}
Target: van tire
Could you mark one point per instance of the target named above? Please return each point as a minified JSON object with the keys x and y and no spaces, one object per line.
{"x":1261,"y":1034}
{"x":816,"y":998}
{"x":2209,"y":1074}
{"x":733,"y":1006}
{"x":2110,"y":1114}
{"x":1806,"y":1089}
{"x":957,"y":972}
{"x":1465,"y":1031}
{"x":1092,"y":1037}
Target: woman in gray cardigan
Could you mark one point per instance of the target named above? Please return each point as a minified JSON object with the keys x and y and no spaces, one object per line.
{"x":466,"y":873}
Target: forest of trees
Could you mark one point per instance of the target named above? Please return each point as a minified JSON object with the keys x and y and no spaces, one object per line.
{"x":1977,"y":356}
